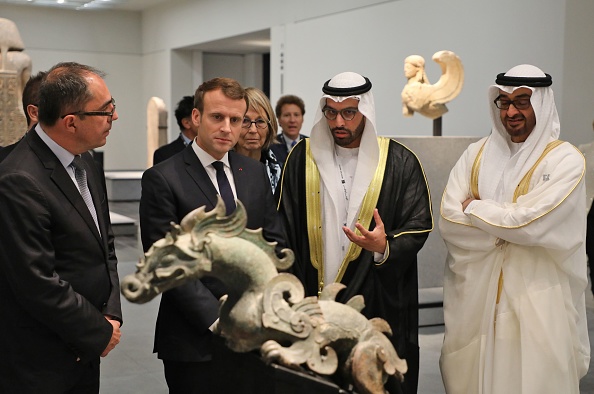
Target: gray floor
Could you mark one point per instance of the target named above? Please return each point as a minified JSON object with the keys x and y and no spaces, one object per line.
{"x":132,"y":368}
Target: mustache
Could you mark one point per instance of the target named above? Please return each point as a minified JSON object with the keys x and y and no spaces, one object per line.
{"x":517,"y":116}
{"x":340,"y":128}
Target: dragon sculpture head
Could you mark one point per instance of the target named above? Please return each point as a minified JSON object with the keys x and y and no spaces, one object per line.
{"x":169,"y":262}
{"x":188,"y":250}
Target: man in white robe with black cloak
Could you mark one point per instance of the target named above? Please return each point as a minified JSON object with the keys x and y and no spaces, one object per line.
{"x":514,"y":224}
{"x":357,"y":210}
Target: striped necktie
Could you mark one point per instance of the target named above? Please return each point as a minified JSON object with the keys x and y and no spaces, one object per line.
{"x":81,"y":179}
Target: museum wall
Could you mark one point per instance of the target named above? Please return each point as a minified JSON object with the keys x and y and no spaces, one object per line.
{"x":483,"y":34}
{"x":577,"y":102}
{"x":106,"y":40}
{"x":145,"y":54}
{"x":317,"y":40}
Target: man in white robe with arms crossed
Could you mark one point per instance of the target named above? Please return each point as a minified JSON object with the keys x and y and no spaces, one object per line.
{"x":514,"y":224}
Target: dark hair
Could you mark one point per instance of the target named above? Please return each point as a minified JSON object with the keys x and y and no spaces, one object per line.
{"x":184,"y":110}
{"x":31,"y":93}
{"x":289,"y":99}
{"x":230,"y":88}
{"x":64,"y":89}
{"x":260,"y":103}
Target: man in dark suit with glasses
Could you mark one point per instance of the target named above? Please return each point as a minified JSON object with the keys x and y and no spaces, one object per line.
{"x":59,"y":284}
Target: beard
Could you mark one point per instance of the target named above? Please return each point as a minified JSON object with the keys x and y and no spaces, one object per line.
{"x":346,"y":137}
{"x":518,"y":127}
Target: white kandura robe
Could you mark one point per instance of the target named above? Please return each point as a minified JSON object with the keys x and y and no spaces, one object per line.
{"x":539,"y":343}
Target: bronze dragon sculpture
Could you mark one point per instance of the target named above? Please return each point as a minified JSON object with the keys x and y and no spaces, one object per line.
{"x":264,"y":308}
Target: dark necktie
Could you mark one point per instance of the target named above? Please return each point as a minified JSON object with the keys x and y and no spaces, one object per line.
{"x":293,"y":143}
{"x":81,"y":179}
{"x":224,"y":186}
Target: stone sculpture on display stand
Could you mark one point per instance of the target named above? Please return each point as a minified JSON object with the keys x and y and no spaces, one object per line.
{"x":419,"y":95}
{"x":156,"y":127}
{"x":15,"y":71}
{"x":265,"y":310}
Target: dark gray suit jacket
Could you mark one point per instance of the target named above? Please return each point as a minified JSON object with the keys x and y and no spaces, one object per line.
{"x":170,"y":190}
{"x":58,"y":275}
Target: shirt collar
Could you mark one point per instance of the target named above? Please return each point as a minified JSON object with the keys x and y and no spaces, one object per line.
{"x":185,"y":139}
{"x":288,"y":141}
{"x":62,"y":154}
{"x":205,"y":158}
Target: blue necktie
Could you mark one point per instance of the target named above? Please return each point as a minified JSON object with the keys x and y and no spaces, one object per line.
{"x":81,"y":179}
{"x":224,"y":186}
{"x":293,"y":143}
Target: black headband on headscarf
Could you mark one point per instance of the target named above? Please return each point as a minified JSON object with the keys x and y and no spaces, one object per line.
{"x":350,"y":91}
{"x":533,"y":82}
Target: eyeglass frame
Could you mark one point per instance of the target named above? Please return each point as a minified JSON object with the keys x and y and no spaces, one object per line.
{"x":245,"y":126}
{"x":94,"y":113}
{"x":341,"y":112}
{"x":513,"y":102}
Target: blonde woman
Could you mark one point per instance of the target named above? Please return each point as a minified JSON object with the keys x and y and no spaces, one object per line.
{"x":258,"y":132}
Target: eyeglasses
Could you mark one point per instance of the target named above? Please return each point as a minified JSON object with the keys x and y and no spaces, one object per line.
{"x":519,"y":103}
{"x":346,"y":113}
{"x":260,"y":123}
{"x":94,"y":113}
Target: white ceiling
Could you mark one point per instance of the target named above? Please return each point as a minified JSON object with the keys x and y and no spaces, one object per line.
{"x":255,"y":42}
{"x":130,"y":5}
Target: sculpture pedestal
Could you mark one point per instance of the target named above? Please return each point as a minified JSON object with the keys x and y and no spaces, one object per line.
{"x":246,"y":373}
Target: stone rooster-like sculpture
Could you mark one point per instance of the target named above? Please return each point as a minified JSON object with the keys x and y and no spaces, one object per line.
{"x":429,"y":100}
{"x":264,"y":308}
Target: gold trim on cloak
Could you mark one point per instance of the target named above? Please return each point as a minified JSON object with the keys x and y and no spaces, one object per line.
{"x":314,"y":214}
{"x":475,"y":173}
{"x":524,"y":184}
{"x":314,"y":210}
{"x":521,"y":189}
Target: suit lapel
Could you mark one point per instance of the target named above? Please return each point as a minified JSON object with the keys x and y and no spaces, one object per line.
{"x":241,"y":185}
{"x":62,"y":180}
{"x":198,"y":174}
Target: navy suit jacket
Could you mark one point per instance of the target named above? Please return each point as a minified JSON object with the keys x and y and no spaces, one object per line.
{"x":166,"y":151}
{"x":280,"y":150}
{"x":5,"y":151}
{"x":58,"y":275}
{"x":170,"y":190}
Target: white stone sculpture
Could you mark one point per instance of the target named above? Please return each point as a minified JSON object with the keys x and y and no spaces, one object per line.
{"x":429,"y":100}
{"x":156,"y":126}
{"x":15,"y":71}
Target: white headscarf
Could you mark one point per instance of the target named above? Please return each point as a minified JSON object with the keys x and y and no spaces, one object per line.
{"x":323,"y":151}
{"x":497,"y":164}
